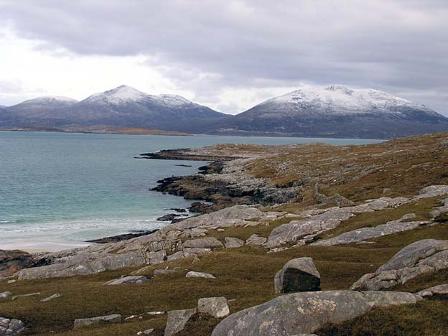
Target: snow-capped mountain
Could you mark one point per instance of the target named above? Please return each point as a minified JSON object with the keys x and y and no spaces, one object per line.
{"x":338,"y":111}
{"x":120,"y":107}
{"x":333,"y":111}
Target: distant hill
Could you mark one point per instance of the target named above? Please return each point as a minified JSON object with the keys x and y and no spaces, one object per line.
{"x":337,"y":111}
{"x":334,"y":111}
{"x":122,"y":107}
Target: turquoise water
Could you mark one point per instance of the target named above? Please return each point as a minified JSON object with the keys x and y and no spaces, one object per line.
{"x":58,"y":189}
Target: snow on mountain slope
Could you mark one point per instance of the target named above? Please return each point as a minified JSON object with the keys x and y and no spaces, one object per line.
{"x":49,"y":100}
{"x":336,"y":100}
{"x":120,"y":95}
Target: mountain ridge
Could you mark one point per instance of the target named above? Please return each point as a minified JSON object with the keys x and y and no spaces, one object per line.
{"x":332,"y":111}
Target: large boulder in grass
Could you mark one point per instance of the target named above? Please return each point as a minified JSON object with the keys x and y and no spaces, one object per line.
{"x":214,"y":306}
{"x":177,"y":320}
{"x":440,"y":290}
{"x":13,"y":261}
{"x":298,"y":275}
{"x":421,"y":257}
{"x":305,"y":313}
{"x":10,"y":327}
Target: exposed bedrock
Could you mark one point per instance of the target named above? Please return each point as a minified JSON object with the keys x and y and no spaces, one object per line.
{"x":422,"y":257}
{"x":305,"y":313}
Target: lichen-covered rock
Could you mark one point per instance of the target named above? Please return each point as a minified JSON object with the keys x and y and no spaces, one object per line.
{"x":304,"y":313}
{"x":297,"y":275}
{"x":423,"y":256}
{"x":232,"y":242}
{"x":214,"y":306}
{"x":126,"y":280}
{"x":86,"y":322}
{"x":177,"y":320}
{"x":10,"y":327}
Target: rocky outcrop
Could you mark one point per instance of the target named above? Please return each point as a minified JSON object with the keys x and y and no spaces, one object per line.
{"x":216,"y":307}
{"x":362,"y":234}
{"x":175,"y":241}
{"x":13,"y":261}
{"x":298,"y":275}
{"x":126,"y":280}
{"x":318,"y":221}
{"x":422,"y":257}
{"x":83,"y":264}
{"x":11,"y":327}
{"x":440,"y":290}
{"x":87,"y":322}
{"x":177,"y":320}
{"x":304,"y":313}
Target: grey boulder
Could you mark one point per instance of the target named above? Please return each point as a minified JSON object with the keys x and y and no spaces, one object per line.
{"x":297,"y":275}
{"x":86,"y":322}
{"x":304,"y":313}
{"x":10,"y":327}
{"x":177,"y":320}
{"x":214,"y":306}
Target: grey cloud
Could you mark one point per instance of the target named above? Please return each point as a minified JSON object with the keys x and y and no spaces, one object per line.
{"x":209,"y":45}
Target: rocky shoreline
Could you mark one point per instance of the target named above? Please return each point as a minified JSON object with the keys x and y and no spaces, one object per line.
{"x":221,"y":183}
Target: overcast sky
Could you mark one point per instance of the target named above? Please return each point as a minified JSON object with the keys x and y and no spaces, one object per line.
{"x":226,"y":54}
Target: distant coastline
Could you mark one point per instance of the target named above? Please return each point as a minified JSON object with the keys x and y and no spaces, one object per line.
{"x":98,"y":130}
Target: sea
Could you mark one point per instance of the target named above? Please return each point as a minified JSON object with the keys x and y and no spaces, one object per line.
{"x":58,"y":190}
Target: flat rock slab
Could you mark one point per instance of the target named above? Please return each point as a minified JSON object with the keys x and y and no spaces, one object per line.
{"x":193,"y":274}
{"x":177,"y":320}
{"x":86,"y":322}
{"x":10,"y":327}
{"x":440,"y":290}
{"x":126,"y":280}
{"x":305,"y":313}
{"x":421,"y":257}
{"x":214,"y":306}
{"x":297,"y":275}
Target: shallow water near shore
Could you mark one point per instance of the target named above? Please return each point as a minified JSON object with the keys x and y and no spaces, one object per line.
{"x":58,"y":190}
